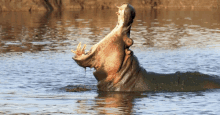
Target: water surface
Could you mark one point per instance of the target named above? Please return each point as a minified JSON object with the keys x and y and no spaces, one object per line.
{"x":37,"y":66}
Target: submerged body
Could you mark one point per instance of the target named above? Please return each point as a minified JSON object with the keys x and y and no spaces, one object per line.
{"x":116,"y":66}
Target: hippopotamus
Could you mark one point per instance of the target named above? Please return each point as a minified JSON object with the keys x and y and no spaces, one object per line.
{"x":116,"y":66}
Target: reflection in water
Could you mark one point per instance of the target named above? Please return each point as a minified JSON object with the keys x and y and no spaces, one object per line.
{"x":116,"y":103}
{"x":176,"y":29}
{"x":24,"y":31}
{"x":145,"y":103}
{"x":111,"y":103}
{"x":156,"y":28}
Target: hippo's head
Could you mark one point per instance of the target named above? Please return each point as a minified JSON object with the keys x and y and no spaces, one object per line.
{"x":109,"y":55}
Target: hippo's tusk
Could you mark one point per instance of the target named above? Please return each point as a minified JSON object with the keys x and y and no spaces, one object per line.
{"x":78,"y":47}
{"x":79,"y":51}
{"x":83,"y":49}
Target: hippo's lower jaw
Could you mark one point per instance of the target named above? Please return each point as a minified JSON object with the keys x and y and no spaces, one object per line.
{"x":82,"y":58}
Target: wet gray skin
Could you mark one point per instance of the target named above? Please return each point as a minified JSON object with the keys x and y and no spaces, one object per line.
{"x":118,"y":69}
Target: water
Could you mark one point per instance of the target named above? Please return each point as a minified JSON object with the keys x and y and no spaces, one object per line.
{"x":37,"y":66}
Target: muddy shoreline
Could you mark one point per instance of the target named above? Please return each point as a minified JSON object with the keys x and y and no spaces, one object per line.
{"x":50,"y":5}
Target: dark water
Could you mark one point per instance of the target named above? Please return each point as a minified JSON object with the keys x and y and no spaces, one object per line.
{"x":36,"y":62}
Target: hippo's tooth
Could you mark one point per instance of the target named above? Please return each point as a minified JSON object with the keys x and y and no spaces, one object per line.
{"x":79,"y":51}
{"x":83,"y":49}
{"x":78,"y":47}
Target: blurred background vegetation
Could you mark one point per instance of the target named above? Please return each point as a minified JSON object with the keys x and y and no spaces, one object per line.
{"x":49,"y":5}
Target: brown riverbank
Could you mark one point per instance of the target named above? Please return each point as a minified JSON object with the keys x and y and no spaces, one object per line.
{"x":49,"y":5}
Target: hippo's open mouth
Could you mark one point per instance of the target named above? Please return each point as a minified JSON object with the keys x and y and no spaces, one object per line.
{"x":111,"y":50}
